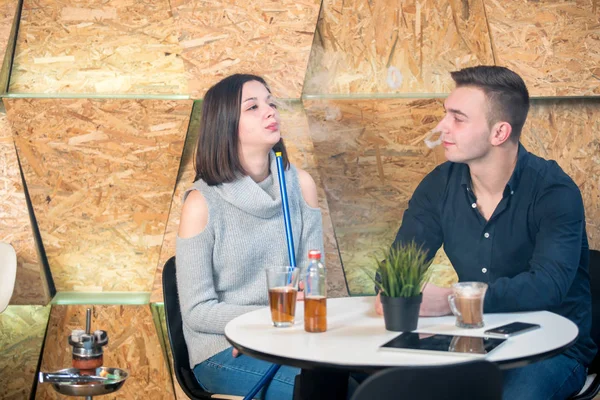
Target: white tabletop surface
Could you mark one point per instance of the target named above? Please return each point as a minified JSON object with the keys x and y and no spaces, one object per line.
{"x":355,"y":332}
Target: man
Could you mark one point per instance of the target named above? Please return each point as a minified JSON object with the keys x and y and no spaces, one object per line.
{"x":508,"y":218}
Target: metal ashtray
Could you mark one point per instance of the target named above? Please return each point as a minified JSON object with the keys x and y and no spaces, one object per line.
{"x":77,"y":387}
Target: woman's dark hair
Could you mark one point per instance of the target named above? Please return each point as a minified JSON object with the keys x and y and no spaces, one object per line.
{"x":217,"y":156}
{"x":505,"y":91}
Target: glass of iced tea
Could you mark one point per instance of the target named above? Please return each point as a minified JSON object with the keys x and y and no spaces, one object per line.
{"x":282,"y":283}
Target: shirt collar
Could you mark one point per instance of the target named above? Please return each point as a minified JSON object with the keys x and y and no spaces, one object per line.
{"x":515,"y":178}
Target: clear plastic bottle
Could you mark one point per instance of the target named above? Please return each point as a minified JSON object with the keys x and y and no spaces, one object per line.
{"x":315,"y":294}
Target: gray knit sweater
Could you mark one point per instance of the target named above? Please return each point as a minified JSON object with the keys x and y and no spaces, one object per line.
{"x":220,"y":271}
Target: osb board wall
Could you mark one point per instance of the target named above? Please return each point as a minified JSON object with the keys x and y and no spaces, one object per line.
{"x":360,"y":44}
{"x":271,"y":38}
{"x":298,"y":141}
{"x":133,"y":344}
{"x":8,"y":10}
{"x":568,"y":131}
{"x":15,"y":225}
{"x":185,"y":178}
{"x":295,"y":131}
{"x":98,"y":47}
{"x":371,"y":157}
{"x":22,"y":330}
{"x":101,"y":175}
{"x":553,"y":44}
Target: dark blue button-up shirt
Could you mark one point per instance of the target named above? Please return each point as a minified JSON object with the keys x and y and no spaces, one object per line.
{"x":533,"y":251}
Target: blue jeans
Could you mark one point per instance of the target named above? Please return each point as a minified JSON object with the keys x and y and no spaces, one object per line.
{"x":556,"y":378}
{"x":224,"y":374}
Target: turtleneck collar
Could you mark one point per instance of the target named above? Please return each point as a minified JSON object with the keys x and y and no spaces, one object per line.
{"x":262,"y":199}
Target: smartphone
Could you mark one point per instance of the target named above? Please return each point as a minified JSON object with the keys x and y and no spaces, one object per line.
{"x":512,"y":329}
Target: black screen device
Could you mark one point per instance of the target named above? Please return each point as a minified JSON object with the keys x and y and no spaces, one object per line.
{"x":443,"y":344}
{"x":512,"y":329}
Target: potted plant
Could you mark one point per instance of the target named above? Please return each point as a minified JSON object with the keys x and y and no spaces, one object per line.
{"x":401,"y":276}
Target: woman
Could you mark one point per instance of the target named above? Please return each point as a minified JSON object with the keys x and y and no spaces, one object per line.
{"x":232,"y":228}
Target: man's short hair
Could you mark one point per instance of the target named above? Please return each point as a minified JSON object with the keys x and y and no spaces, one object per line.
{"x":506,"y":94}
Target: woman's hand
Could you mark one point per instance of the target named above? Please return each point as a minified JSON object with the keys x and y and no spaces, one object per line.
{"x":300,"y":295}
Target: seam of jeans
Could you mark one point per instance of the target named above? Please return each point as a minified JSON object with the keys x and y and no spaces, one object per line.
{"x":230,"y":367}
{"x":578,"y":365}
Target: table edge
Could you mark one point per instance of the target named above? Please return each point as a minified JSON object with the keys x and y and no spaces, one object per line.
{"x":308,"y":365}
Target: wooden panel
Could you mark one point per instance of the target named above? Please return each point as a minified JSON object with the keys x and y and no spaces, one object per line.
{"x":358,"y":43}
{"x":299,"y":144}
{"x":263,"y":37}
{"x":568,"y":131}
{"x":8,"y":24}
{"x":371,"y":157}
{"x":185,"y":178}
{"x":296,"y":132}
{"x":133,"y":344}
{"x":15,"y":225}
{"x":22,"y":330}
{"x":96,"y":47}
{"x":100,"y":174}
{"x":8,"y":9}
{"x":553,"y":44}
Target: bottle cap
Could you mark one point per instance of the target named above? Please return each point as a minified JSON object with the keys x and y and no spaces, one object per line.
{"x":314,"y":254}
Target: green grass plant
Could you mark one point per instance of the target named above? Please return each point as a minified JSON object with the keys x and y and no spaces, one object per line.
{"x":403,"y":271}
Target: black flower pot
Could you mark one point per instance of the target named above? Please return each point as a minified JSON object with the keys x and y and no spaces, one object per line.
{"x":401,"y":314}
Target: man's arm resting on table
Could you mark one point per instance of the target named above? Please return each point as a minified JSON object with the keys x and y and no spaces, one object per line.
{"x":434,"y":304}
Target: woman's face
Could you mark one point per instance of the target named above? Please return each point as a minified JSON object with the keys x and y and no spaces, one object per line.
{"x":259,"y":118}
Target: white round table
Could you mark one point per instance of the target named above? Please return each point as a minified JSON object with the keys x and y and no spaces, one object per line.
{"x":355,"y":332}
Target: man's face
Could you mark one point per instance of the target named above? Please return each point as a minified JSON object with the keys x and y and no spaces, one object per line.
{"x":464,"y":129}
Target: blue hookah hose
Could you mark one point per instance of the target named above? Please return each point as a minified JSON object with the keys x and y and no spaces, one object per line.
{"x":290,"y":246}
{"x":286,"y":210}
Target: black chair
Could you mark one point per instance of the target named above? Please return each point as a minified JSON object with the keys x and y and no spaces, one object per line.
{"x":592,"y":383}
{"x":181,"y":362}
{"x":470,"y":380}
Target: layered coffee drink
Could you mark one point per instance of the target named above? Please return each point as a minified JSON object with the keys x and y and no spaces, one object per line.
{"x":466,"y":303}
{"x":471,"y":308}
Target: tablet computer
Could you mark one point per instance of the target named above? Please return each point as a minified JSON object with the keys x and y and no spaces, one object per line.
{"x":443,"y":344}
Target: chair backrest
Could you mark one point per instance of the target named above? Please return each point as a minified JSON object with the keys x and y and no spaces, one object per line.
{"x":469,"y":380}
{"x":595,"y":290}
{"x":8,"y":273}
{"x":181,"y":363}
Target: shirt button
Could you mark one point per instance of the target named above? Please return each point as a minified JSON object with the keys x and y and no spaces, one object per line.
{"x":474,"y":205}
{"x":512,"y":192}
{"x":486,"y":235}
{"x":484,"y":270}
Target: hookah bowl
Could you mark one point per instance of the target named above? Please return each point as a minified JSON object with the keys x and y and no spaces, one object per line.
{"x":88,"y":377}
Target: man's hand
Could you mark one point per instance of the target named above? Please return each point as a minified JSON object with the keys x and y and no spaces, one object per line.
{"x":435,"y":301}
{"x":235,"y":352}
{"x":434,"y":304}
{"x":378,"y":306}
